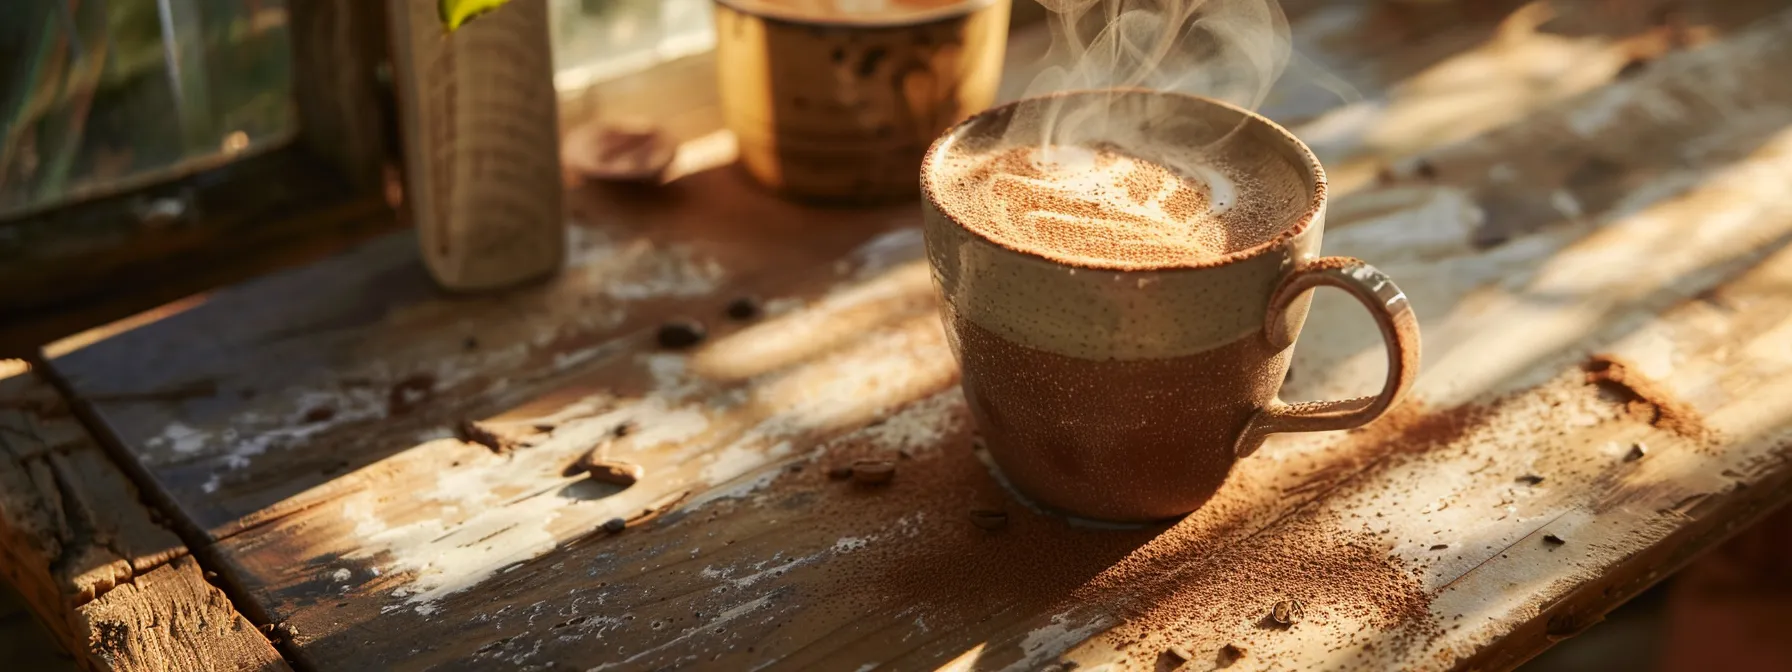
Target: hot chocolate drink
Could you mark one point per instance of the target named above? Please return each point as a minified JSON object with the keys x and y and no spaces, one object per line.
{"x":1124,"y":313}
{"x":1100,"y":207}
{"x":1145,"y":424}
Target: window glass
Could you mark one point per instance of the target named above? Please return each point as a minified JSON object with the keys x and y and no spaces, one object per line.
{"x":596,"y":40}
{"x":102,"y":95}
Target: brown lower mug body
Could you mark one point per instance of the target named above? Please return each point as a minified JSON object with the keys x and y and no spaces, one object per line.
{"x":1129,"y":440}
{"x":843,"y":109}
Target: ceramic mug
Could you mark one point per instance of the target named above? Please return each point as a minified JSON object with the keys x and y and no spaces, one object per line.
{"x":1128,"y":395}
{"x":838,"y":99}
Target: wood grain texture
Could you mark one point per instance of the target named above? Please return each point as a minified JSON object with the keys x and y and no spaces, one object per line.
{"x":480,"y":144}
{"x":171,"y":619}
{"x":79,"y":546}
{"x":338,"y":47}
{"x":72,"y":523}
{"x":308,"y":420}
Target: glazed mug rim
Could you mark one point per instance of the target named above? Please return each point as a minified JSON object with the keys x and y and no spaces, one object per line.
{"x":1313,"y":213}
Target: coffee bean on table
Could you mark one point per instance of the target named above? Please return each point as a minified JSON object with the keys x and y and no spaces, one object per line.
{"x":681,"y":334}
{"x":1424,"y":170}
{"x":1230,"y":654}
{"x":1288,"y":612}
{"x":988,"y":519}
{"x":873,"y":472}
{"x":615,"y":473}
{"x":743,"y":309}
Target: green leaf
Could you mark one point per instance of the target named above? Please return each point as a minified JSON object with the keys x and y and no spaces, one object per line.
{"x":457,"y":12}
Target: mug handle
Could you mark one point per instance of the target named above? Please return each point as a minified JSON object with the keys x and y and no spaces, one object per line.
{"x":1399,"y":329}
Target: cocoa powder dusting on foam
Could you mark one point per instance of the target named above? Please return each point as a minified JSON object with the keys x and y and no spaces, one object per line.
{"x":1091,"y":207}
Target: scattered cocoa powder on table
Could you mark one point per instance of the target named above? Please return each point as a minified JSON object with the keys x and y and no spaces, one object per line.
{"x":1166,"y":578}
{"x":906,"y":551}
{"x":1643,"y":397}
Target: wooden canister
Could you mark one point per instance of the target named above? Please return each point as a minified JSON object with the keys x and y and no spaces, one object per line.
{"x":842,"y":107}
{"x":480,"y":139}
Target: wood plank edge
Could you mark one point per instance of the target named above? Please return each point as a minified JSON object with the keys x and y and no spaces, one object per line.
{"x":199,"y":545}
{"x":1718,"y":519}
{"x":173,"y":618}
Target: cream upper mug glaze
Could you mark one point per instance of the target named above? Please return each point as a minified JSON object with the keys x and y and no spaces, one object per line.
{"x":1127,"y":394}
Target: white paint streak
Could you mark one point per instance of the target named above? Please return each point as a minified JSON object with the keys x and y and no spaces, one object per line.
{"x":780,"y":306}
{"x":763,"y":573}
{"x":735,"y":491}
{"x":675,"y":271}
{"x":919,"y":426}
{"x":443,"y":557}
{"x":679,"y":643}
{"x":1052,"y":640}
{"x":180,"y":438}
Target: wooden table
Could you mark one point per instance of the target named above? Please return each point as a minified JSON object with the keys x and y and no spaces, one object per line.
{"x":1590,"y":221}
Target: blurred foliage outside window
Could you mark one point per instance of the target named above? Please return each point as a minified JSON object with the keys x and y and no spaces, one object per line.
{"x":102,"y":95}
{"x":99,"y":96}
{"x":595,"y":40}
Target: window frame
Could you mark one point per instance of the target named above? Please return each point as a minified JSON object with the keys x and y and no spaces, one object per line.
{"x":114,"y":252}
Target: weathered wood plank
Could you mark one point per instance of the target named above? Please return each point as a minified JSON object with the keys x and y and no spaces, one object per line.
{"x":333,"y":363}
{"x":74,"y":538}
{"x":171,"y":619}
{"x":338,"y":48}
{"x":72,"y":523}
{"x":352,"y":514}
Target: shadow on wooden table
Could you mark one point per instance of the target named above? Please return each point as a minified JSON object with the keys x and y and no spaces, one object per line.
{"x":24,"y":642}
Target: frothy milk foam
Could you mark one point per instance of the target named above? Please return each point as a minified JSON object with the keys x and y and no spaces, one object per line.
{"x":1097,"y":205}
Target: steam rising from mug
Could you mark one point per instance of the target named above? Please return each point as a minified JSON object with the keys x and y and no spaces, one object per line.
{"x":1230,"y":50}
